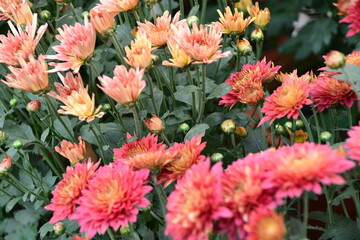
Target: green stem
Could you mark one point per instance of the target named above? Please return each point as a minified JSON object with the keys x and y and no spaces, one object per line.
{"x":349,"y":116}
{"x":74,"y":12}
{"x":137,"y":122}
{"x":160,"y":195}
{"x":263,"y":129}
{"x":202,"y":101}
{"x":232,"y":136}
{"x":149,"y":82}
{"x":272,"y":128}
{"x":6,"y":193}
{"x":329,"y":208}
{"x":110,"y":233}
{"x":316,"y":123}
{"x":119,"y":52}
{"x":219,"y":61}
{"x":157,"y":218}
{"x":50,"y":163}
{"x":307,"y":126}
{"x":293,"y":131}
{"x":203,"y":10}
{"x":194,"y":112}
{"x":165,"y":138}
{"x":25,"y":188}
{"x":306,"y":211}
{"x":344,"y":208}
{"x":182,"y":9}
{"x":102,"y":137}
{"x":167,"y":84}
{"x":259,"y":46}
{"x":98,"y":143}
{"x":354,"y":195}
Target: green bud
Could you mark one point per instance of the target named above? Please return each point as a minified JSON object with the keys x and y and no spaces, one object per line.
{"x":14,"y":102}
{"x":17,"y":144}
{"x":280,"y":130}
{"x":191,"y":20}
{"x":241,"y":132}
{"x":288,"y":125}
{"x":106,"y":107}
{"x":85,"y":13}
{"x":228,"y":126}
{"x":124,"y":230}
{"x":3,"y":138}
{"x":257,"y":35}
{"x":184,"y":127}
{"x":59,"y":228}
{"x":217,"y":157}
{"x":299,"y":124}
{"x":45,"y":15}
{"x":325,"y":136}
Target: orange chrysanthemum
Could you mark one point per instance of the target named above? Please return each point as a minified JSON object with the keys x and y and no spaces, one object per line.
{"x":180,"y":58}
{"x":353,"y":143}
{"x":262,"y":17}
{"x":353,"y":58}
{"x":352,"y":17}
{"x":17,"y":10}
{"x":102,"y":19}
{"x":72,"y":151}
{"x":138,"y":55}
{"x":112,"y":199}
{"x":233,"y":23}
{"x":288,"y":99}
{"x":154,"y":124}
{"x":67,"y":192}
{"x":118,"y":6}
{"x":195,"y":203}
{"x":76,"y":98}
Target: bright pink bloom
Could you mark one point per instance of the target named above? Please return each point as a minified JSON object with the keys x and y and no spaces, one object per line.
{"x":68,"y":190}
{"x":112,"y":199}
{"x":267,"y":71}
{"x":353,"y":143}
{"x":195,"y":203}
{"x":352,"y":17}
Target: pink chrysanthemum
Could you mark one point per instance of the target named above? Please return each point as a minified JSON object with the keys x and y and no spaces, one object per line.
{"x":343,"y":6}
{"x":243,"y":191}
{"x":267,"y":71}
{"x":112,"y":199}
{"x":353,"y":143}
{"x":327,"y":91}
{"x":303,"y":167}
{"x":352,"y":17}
{"x":288,"y":99}
{"x":118,"y":6}
{"x":353,"y":58}
{"x":77,"y":43}
{"x":68,"y":190}
{"x":195,"y":203}
{"x":17,"y":10}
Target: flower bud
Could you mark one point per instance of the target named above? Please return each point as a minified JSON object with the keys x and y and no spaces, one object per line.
{"x":59,"y":228}
{"x":33,"y":106}
{"x":244,"y":47}
{"x":45,"y":15}
{"x":288,"y":125}
{"x":184,"y":127}
{"x":217,"y":157}
{"x":17,"y":144}
{"x":3,"y":138}
{"x":241,"y":132}
{"x":84,"y":13}
{"x":334,"y":59}
{"x":103,"y":21}
{"x":106,"y":107}
{"x":151,"y":2}
{"x":299,"y":124}
{"x":243,"y":5}
{"x":154,"y":58}
{"x":325,"y":136}
{"x":5,"y":165}
{"x":14,"y":102}
{"x":191,"y":20}
{"x":124,"y":230}
{"x":154,"y":124}
{"x":228,"y":126}
{"x":300,"y":136}
{"x":280,"y":130}
{"x":257,"y":35}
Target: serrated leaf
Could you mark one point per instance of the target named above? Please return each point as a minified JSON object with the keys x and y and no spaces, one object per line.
{"x":44,"y":135}
{"x":214,"y":119}
{"x":219,"y":91}
{"x":184,"y":94}
{"x":47,"y":227}
{"x":61,"y":129}
{"x":343,"y":228}
{"x":196,"y":131}
{"x":10,"y":205}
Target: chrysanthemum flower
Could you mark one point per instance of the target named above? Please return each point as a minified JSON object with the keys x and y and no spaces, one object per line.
{"x":344,"y":5}
{"x":154,"y":124}
{"x":125,"y":87}
{"x":144,"y":153}
{"x":102,"y":19}
{"x":187,"y":154}
{"x":353,"y":58}
{"x":195,"y":203}
{"x":180,"y":58}
{"x":112,"y":199}
{"x":76,"y":98}
{"x":118,"y":6}
{"x":233,"y":23}
{"x":20,"y":43}
{"x":288,"y":99}
{"x":72,"y":151}
{"x":138,"y":55}
{"x":327,"y":91}
{"x":353,"y":143}
{"x":352,"y":17}
{"x":267,"y":71}
{"x":17,"y":10}
{"x":68,"y":190}
{"x":200,"y":43}
{"x":303,"y":167}
{"x":77,"y":43}
{"x":158,"y":33}
{"x":262,"y":17}
{"x":32,"y":76}
{"x":265,"y":225}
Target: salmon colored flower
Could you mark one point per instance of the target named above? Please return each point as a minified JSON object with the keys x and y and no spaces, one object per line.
{"x":112,"y":199}
{"x":139,"y":53}
{"x":180,"y":58}
{"x":267,"y":70}
{"x":76,"y":98}
{"x":303,"y":167}
{"x":73,"y":152}
{"x":195,"y":203}
{"x":118,"y":6}
{"x":233,"y":23}
{"x":287,"y":99}
{"x":125,"y":87}
{"x":353,"y":143}
{"x":17,"y":10}
{"x":265,"y":225}
{"x":32,"y":76}
{"x":5,"y":165}
{"x":300,"y":136}
{"x":154,"y":124}
{"x":344,"y":5}
{"x":201,"y":43}
{"x":280,"y":77}
{"x":102,"y":20}
{"x":186,"y":155}
{"x":353,"y":58}
{"x":20,"y":43}
{"x":262,"y":17}
{"x":158,"y":33}
{"x":352,"y":17}
{"x":243,"y":5}
{"x":68,"y":190}
{"x":77,"y":43}
{"x":328,"y":91}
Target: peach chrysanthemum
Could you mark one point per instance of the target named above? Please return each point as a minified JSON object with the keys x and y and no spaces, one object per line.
{"x":353,"y":143}
{"x":125,"y":87}
{"x":112,"y":199}
{"x":144,"y":153}
{"x":265,"y":225}
{"x":267,"y":71}
{"x":68,"y":190}
{"x":303,"y":167}
{"x":352,"y":17}
{"x":74,"y":152}
{"x":17,"y":10}
{"x":118,"y":6}
{"x":195,"y":203}
{"x":102,"y":19}
{"x":344,"y":5}
{"x":20,"y":43}
{"x":76,"y":98}
{"x":158,"y":33}
{"x":353,"y":58}
{"x":200,"y":43}
{"x":233,"y":23}
{"x":138,"y":55}
{"x":186,"y":155}
{"x":77,"y":43}
{"x":262,"y":17}
{"x":287,"y":99}
{"x":328,"y":91}
{"x":32,"y":76}
{"x":154,"y":124}
{"x":180,"y":58}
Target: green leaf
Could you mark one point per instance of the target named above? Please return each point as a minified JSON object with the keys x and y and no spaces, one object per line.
{"x":61,"y":129}
{"x":123,"y":34}
{"x":343,"y":228}
{"x":253,"y":143}
{"x":47,"y":227}
{"x":219,"y":91}
{"x":196,"y":131}
{"x":343,"y":195}
{"x":44,"y":135}
{"x":23,"y":132}
{"x":296,"y":230}
{"x":214,"y":119}
{"x":10,"y":205}
{"x":184,"y":94}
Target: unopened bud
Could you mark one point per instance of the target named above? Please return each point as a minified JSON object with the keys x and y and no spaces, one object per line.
{"x":288,"y":125}
{"x":184,"y":127}
{"x":33,"y":106}
{"x":228,"y":126}
{"x":334,"y":59}
{"x":154,"y":124}
{"x":300,"y":136}
{"x":3,"y":138}
{"x":124,"y":230}
{"x":280,"y":130}
{"x":243,"y":5}
{"x":241,"y":132}
{"x":14,"y":102}
{"x":45,"y":15}
{"x":217,"y":157}
{"x":59,"y":228}
{"x":17,"y":144}
{"x":299,"y":124}
{"x":245,"y":48}
{"x":84,"y":13}
{"x":106,"y":107}
{"x":154,"y":58}
{"x":5,"y":165}
{"x":257,"y":35}
{"x":325,"y":136}
{"x":191,"y":20}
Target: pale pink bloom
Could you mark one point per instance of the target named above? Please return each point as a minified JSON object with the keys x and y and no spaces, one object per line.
{"x":139,"y":53}
{"x":125,"y":87}
{"x":200,"y":42}
{"x":158,"y":33}
{"x":20,"y":43}
{"x":17,"y":10}
{"x":32,"y":76}
{"x":118,"y":6}
{"x":102,"y":19}
{"x":77,"y":43}
{"x":180,"y":58}
{"x":76,"y":98}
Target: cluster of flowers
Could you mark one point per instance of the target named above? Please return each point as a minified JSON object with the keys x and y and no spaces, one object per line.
{"x":351,"y":10}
